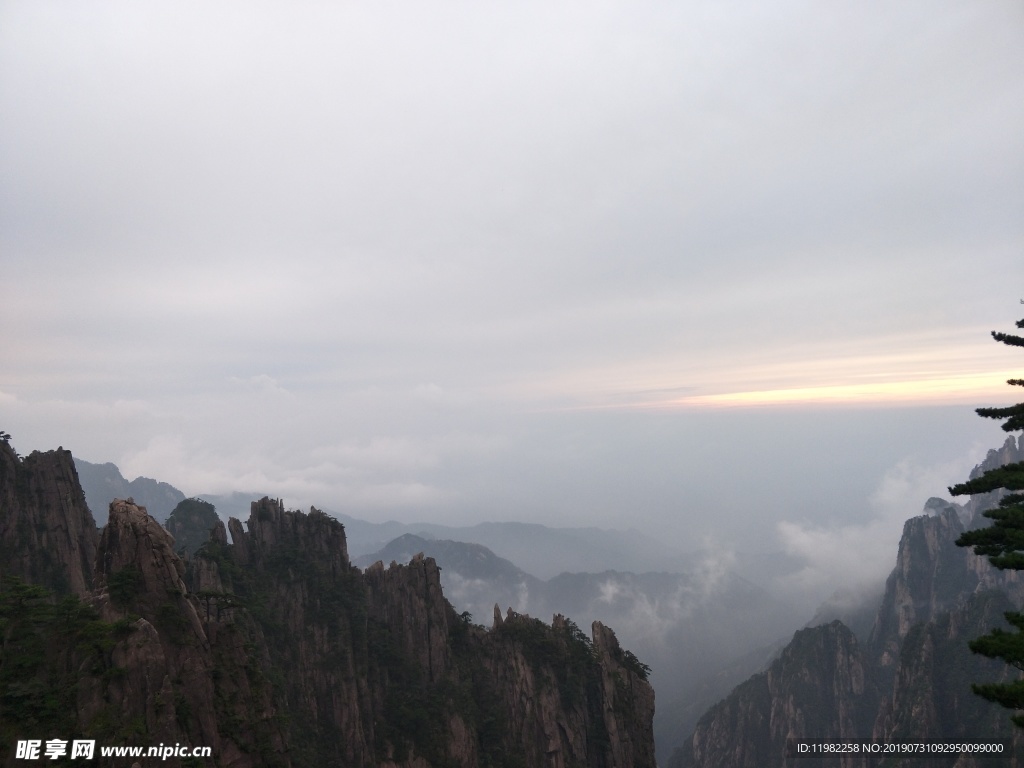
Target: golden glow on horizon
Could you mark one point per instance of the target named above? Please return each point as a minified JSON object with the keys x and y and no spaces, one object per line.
{"x":922,"y":369}
{"x":973,"y":388}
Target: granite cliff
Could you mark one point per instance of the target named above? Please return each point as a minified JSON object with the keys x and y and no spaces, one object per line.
{"x":47,"y":534}
{"x":274,"y":650}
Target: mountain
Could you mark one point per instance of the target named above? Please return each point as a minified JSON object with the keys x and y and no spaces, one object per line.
{"x":719,"y":618}
{"x":473,"y":577}
{"x":909,"y":681}
{"x":470,"y":561}
{"x":274,"y":650}
{"x":191,"y":523}
{"x":103,"y":483}
{"x":47,"y":533}
{"x":235,"y":504}
{"x":537,"y":549}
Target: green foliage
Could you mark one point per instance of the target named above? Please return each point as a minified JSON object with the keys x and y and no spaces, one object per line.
{"x":1003,"y":544}
{"x":633,"y":664}
{"x":565,"y":653}
{"x":416,"y":711}
{"x":1004,"y":645}
{"x":170,"y":620}
{"x":279,"y":586}
{"x":124,"y":585}
{"x":1009,"y":647}
{"x":45,"y":644}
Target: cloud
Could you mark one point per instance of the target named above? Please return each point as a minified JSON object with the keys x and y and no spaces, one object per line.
{"x":716,"y":561}
{"x":652,"y":612}
{"x":862,"y":554}
{"x":389,"y":255}
{"x":393,"y":453}
{"x":262,"y":385}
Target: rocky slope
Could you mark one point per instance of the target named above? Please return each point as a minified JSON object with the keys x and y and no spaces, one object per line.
{"x":909,"y":681}
{"x":275,"y":651}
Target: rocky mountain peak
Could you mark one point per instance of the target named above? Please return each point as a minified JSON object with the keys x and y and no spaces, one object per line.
{"x":47,"y":533}
{"x":1011,"y":452}
{"x":408,"y":599}
{"x":136,"y":565}
{"x":272,"y":531}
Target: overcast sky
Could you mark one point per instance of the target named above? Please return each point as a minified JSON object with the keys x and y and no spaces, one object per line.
{"x":719,"y":271}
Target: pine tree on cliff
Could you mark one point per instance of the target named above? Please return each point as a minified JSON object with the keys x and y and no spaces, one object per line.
{"x":1003,"y":543}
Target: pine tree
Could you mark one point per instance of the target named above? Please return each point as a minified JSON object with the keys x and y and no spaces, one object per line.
{"x":1003,"y":543}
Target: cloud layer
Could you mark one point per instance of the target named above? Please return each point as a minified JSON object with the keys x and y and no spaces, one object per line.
{"x":494,"y":262}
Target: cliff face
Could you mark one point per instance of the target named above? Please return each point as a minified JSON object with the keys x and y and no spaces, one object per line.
{"x":47,"y":535}
{"x":158,"y":681}
{"x":910,"y":681}
{"x":820,"y":687}
{"x":275,"y":651}
{"x":932,"y":575}
{"x":930,"y":696}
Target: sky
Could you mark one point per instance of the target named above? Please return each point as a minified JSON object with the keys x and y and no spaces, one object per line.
{"x":722,"y":272}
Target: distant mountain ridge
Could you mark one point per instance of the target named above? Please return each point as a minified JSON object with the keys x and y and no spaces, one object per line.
{"x":102,"y":483}
{"x":538,"y":549}
{"x":470,"y":561}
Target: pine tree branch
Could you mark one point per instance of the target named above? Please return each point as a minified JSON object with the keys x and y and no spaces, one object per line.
{"x":1006,"y":338}
{"x":1008,"y":476}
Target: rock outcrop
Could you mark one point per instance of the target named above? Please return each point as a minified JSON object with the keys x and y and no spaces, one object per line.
{"x":47,"y":534}
{"x":274,"y":650}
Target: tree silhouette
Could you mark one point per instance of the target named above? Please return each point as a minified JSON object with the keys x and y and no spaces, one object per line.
{"x":1003,"y":543}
